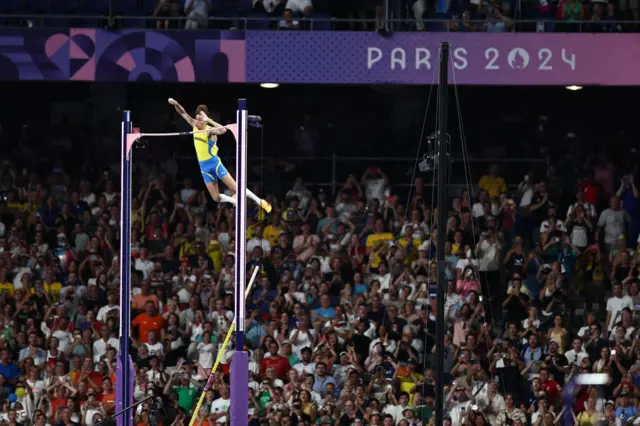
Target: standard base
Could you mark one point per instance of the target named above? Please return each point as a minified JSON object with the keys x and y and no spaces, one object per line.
{"x":239,"y":410}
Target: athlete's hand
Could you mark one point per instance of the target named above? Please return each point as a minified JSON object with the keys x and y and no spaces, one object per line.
{"x":172,"y":101}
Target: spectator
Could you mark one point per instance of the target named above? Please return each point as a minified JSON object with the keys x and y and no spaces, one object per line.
{"x":341,"y":322}
{"x":197,"y":14}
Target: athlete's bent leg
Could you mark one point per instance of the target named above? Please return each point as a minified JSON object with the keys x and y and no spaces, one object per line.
{"x":212,"y":187}
{"x":231,"y":184}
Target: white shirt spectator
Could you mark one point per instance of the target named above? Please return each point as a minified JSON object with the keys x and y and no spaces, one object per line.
{"x":494,"y":406}
{"x":385,"y":280}
{"x":263,"y":243}
{"x":527,"y":193}
{"x":144,"y":266}
{"x":17,"y":279}
{"x":536,"y":416}
{"x":302,"y":193}
{"x":396,"y":412}
{"x":477,"y":210}
{"x":576,"y":357}
{"x":64,"y":339}
{"x":100,"y":347}
{"x":545,"y":226}
{"x":205,"y":355}
{"x":298,"y":6}
{"x":374,"y":189}
{"x":589,"y":209}
{"x":186,"y":193}
{"x":156,"y":376}
{"x":156,"y":349}
{"x":615,"y":305}
{"x":457,"y":411}
{"x":488,"y":255}
{"x":221,"y":322}
{"x":37,"y":388}
{"x":220,"y":405}
{"x":199,"y":7}
{"x":464,"y":262}
{"x":305,"y":369}
{"x":90,"y":198}
{"x":301,"y":340}
{"x":104,"y":312}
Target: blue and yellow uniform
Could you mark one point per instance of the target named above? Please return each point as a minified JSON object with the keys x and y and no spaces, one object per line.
{"x":207,"y":153}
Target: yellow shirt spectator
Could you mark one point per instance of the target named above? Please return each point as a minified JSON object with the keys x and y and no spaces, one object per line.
{"x":214,"y":251}
{"x":16,"y":207}
{"x":408,"y":383}
{"x":494,"y":185}
{"x":7,"y":288}
{"x":456,"y":248}
{"x":189,"y":248}
{"x":138,"y":215}
{"x":272,"y":234}
{"x":403,"y":243}
{"x":251,"y":231}
{"x":376,"y":242}
{"x":54,"y":288}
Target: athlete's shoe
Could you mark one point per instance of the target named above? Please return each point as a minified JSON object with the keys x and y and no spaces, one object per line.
{"x":265,"y":206}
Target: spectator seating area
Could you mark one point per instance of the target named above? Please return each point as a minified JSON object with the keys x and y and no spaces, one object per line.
{"x":543,"y":285}
{"x":489,"y":16}
{"x":160,"y":14}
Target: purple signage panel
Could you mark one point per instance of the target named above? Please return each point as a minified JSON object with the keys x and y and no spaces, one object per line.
{"x":410,"y":58}
{"x":131,"y":55}
{"x":317,"y":57}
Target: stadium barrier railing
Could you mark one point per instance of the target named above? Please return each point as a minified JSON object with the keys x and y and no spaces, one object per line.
{"x":324,"y":23}
{"x":331,"y":172}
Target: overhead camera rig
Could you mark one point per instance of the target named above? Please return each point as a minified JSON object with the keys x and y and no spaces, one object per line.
{"x":430,"y":158}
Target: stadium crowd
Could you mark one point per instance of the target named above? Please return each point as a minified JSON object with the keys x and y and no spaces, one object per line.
{"x":543,"y":285}
{"x":420,"y":15}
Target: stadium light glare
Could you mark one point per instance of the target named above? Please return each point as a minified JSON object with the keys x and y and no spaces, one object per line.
{"x":269,"y":85}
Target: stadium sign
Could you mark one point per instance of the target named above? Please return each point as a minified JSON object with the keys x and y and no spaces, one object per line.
{"x":317,"y":57}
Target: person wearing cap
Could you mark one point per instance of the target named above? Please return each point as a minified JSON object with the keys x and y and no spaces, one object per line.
{"x":458,"y":400}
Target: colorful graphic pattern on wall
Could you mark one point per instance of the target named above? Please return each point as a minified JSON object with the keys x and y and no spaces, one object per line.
{"x":317,"y":57}
{"x":99,"y":55}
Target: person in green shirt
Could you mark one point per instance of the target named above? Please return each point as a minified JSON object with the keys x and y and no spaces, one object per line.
{"x":188,"y":390}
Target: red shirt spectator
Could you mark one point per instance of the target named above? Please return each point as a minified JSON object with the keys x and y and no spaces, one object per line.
{"x":279,"y":363}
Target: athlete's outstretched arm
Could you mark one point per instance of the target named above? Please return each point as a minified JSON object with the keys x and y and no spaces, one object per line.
{"x":182,"y":112}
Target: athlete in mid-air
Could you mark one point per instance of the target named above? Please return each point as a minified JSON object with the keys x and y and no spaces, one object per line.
{"x":207,"y":153}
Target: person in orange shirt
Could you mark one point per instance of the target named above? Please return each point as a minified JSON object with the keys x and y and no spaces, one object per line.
{"x":139,"y":301}
{"x":108,"y":396}
{"x":148,"y":321}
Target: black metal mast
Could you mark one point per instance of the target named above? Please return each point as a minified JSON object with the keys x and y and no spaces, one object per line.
{"x":442,"y":165}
